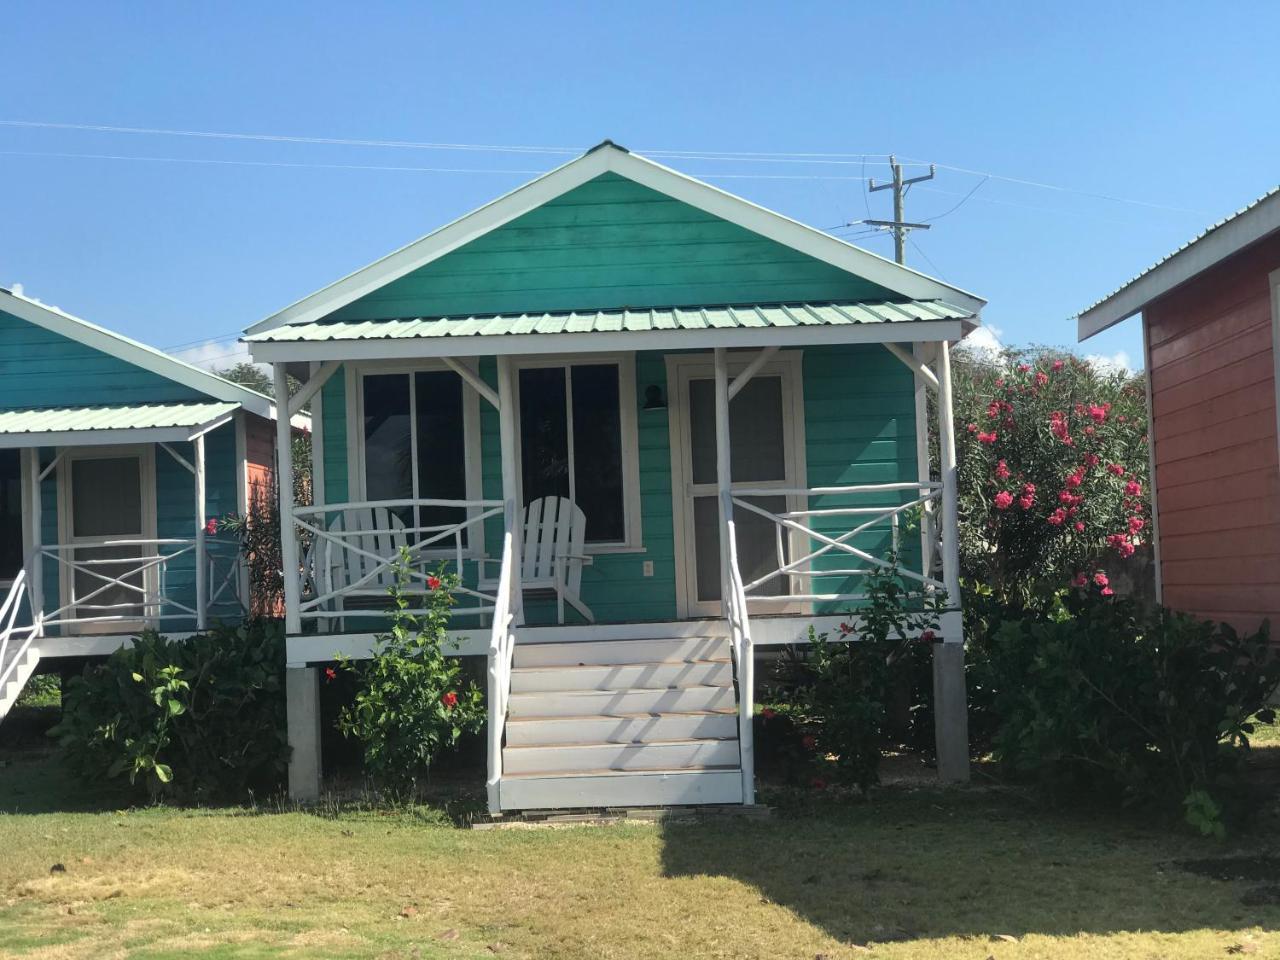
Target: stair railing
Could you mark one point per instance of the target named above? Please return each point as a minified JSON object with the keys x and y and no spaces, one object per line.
{"x":15,"y":640}
{"x":743,"y":652}
{"x":502,"y":638}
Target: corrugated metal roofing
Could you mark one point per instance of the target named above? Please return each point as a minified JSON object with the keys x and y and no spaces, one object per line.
{"x":148,"y":416}
{"x":614,"y":321}
{"x":1273,"y":192}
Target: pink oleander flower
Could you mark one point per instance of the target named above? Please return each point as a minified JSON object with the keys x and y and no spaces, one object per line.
{"x":1107,"y":592}
{"x":1041,"y":378}
{"x":1002,"y":470}
{"x":1116,"y":469}
{"x":1003,"y":499}
{"x":1057,"y":365}
{"x":1098,"y":414}
{"x":1136,"y":524}
{"x":988,"y":438}
{"x":1079,"y":526}
{"x":1100,"y":579}
{"x":1057,"y":518}
{"x":1133,"y":488}
{"x":1080,"y":580}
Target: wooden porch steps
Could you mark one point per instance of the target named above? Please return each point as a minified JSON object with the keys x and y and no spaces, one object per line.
{"x":25,"y":666}
{"x":647,"y":722}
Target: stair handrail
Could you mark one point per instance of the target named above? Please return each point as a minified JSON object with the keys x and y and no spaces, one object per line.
{"x":501,"y":650}
{"x":743,"y":651}
{"x":26,"y":633}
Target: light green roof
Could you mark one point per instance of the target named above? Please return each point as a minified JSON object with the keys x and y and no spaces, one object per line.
{"x":71,"y":425}
{"x":620,"y":321}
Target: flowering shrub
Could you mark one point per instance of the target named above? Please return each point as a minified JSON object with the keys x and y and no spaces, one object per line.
{"x":412,"y":700}
{"x":842,"y":684}
{"x":1052,"y":464}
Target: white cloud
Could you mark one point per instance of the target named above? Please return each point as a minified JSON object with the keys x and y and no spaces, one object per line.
{"x":1117,"y":362}
{"x":984,"y":343}
{"x":217,"y":355}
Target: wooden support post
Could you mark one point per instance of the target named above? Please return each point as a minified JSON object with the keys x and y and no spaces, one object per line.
{"x":507,"y":440}
{"x":920,"y":351}
{"x":950,"y":701}
{"x":284,"y":481}
{"x":724,"y":480}
{"x":35,"y":570}
{"x":202,"y":553}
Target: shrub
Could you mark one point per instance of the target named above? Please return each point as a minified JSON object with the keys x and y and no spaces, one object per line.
{"x":842,"y":685}
{"x":412,"y":701}
{"x":1052,"y":474}
{"x":197,"y":718}
{"x":1147,"y":705}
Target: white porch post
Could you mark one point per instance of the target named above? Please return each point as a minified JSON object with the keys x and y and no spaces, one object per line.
{"x":284,"y":481}
{"x":950,"y":700}
{"x":728,"y":560}
{"x":923,"y":468}
{"x":507,"y":442}
{"x":35,"y":571}
{"x":202,"y":553}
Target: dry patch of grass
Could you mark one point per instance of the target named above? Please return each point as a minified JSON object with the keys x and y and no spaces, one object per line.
{"x":915,"y":873}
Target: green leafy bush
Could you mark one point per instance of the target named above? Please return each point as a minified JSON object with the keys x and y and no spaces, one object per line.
{"x":1145,"y":705}
{"x":412,"y":701}
{"x":202,"y":717}
{"x":841,"y":687}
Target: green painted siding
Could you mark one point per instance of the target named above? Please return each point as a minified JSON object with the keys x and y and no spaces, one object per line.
{"x":610,"y":243}
{"x":859,"y":404}
{"x":333,"y":409}
{"x":39,"y":368}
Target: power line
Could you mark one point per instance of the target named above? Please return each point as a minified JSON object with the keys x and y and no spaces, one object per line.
{"x":966,"y":199}
{"x":937,"y":272}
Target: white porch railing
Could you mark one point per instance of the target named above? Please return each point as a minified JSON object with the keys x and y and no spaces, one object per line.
{"x":735,"y":606}
{"x":144,"y":581}
{"x":15,"y":638}
{"x":502,"y":644}
{"x":354,"y":549}
{"x":796,"y":527}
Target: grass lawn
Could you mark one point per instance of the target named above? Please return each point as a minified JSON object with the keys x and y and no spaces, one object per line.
{"x":916,"y":872}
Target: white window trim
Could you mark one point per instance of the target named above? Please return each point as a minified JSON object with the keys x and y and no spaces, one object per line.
{"x":146,"y":452}
{"x":789,"y":364}
{"x":355,"y":374}
{"x":632,"y":526}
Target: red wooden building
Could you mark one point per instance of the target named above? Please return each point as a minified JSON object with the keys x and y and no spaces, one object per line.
{"x":1210,"y":316}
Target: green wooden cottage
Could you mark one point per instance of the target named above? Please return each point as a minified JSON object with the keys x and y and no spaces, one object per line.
{"x":655,"y":428}
{"x":113,"y":458}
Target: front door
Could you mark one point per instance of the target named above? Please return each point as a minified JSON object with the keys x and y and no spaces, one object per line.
{"x":106,"y":515}
{"x":766,"y":447}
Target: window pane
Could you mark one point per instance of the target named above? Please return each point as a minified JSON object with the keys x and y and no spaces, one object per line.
{"x":442,"y":468}
{"x":756,"y":439}
{"x":544,"y":436}
{"x":10,"y":514}
{"x":597,"y":451}
{"x":106,"y":497}
{"x":388,"y":454}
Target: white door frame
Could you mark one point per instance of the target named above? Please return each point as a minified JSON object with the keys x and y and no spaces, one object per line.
{"x":145,"y":452}
{"x":681,"y":368}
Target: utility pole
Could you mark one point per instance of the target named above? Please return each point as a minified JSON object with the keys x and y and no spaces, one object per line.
{"x":899,"y":226}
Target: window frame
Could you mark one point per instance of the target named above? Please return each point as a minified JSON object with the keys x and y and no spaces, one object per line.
{"x":356,"y":492}
{"x":633,"y":536}
{"x":24,"y":513}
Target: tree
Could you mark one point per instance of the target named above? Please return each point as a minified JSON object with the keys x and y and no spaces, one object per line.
{"x":248,"y":375}
{"x":1052,"y":463}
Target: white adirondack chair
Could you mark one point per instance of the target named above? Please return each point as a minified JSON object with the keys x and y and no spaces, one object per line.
{"x":552,"y":558}
{"x":375,"y":530}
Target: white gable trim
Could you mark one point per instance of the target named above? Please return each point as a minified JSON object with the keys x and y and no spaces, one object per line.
{"x":608,"y":158}
{"x":137,"y":354}
{"x":1199,"y":255}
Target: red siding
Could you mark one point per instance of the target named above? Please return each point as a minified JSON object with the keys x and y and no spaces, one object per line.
{"x":260,"y":456}
{"x":1214,"y":413}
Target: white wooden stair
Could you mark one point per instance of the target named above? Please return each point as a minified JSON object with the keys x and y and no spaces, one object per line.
{"x":24,"y":663}
{"x":621,"y":723}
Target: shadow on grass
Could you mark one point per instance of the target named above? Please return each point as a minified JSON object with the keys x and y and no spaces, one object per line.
{"x":928,"y":863}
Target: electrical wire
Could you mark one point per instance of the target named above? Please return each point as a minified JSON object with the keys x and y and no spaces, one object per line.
{"x":966,"y":199}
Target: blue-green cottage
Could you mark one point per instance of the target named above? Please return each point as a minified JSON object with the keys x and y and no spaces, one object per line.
{"x":655,"y":429}
{"x":114,"y":458}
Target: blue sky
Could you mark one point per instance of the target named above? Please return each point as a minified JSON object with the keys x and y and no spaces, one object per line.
{"x":1168,"y":107}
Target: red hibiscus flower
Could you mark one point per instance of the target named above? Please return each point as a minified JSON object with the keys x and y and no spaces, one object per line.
{"x":211,"y":526}
{"x":846,"y":629}
{"x":433,"y":582}
{"x":767,"y":713}
{"x":928,"y":636}
{"x":450,"y":700}
{"x":330,"y":674}
{"x":1003,"y":499}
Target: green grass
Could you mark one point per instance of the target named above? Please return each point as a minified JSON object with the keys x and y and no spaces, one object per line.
{"x":916,"y":872}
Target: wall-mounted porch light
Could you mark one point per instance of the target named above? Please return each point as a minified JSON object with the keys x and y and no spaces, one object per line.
{"x":653,"y":398}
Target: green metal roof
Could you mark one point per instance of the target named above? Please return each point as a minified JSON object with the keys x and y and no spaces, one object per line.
{"x":149,"y":416}
{"x":616,"y":321}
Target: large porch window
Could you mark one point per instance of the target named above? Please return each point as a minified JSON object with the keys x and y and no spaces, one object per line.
{"x":415,"y":430}
{"x":10,"y":514}
{"x":577,"y":433}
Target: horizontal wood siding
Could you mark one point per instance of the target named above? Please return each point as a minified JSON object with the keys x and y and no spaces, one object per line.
{"x":610,"y":243}
{"x":260,"y":457}
{"x":859,"y":404}
{"x":39,"y":368}
{"x":1214,"y":414}
{"x":334,"y":437}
